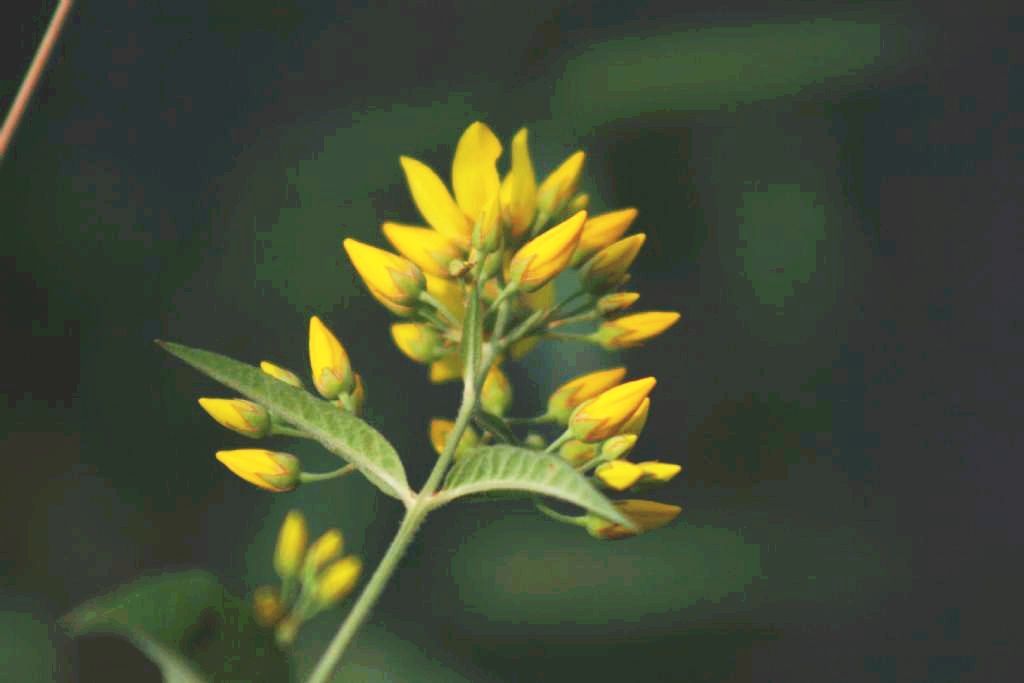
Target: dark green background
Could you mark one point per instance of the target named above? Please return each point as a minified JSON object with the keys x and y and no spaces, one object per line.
{"x":831,"y":198}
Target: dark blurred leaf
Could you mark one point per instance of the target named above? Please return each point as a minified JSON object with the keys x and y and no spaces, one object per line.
{"x":339,"y":432}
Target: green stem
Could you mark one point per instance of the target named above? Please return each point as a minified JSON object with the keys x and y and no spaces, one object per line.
{"x":535,"y":420}
{"x":558,"y":516}
{"x":307,"y":477}
{"x":428,"y":298}
{"x":567,"y":435}
{"x":573,"y":319}
{"x":570,"y":336}
{"x":284,"y":430}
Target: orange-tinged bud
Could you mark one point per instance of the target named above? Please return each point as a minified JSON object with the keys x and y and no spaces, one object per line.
{"x":245,"y":417}
{"x":279,"y":373}
{"x":419,"y":341}
{"x":558,"y":187}
{"x":656,"y":472}
{"x":607,"y":269}
{"x":428,"y":249}
{"x":618,"y":446}
{"x":545,"y":256}
{"x":618,"y":475}
{"x":447,"y":369}
{"x":645,"y":514}
{"x":519,"y":189}
{"x":601,"y":231}
{"x":338,"y":580}
{"x":267,"y":606}
{"x":332,"y":372}
{"x":277,"y":472}
{"x":475,"y":177}
{"x":388,"y":276}
{"x":636,"y":422}
{"x":574,"y":392}
{"x":602,"y":417}
{"x":434,"y":201}
{"x":439,"y":431}
{"x":615,"y":302}
{"x":496,"y":392}
{"x":632,"y":330}
{"x":291,"y":545}
{"x":323,"y":550}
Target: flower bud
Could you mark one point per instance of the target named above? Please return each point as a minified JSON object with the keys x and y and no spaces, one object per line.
{"x":632,"y":330}
{"x":487,"y":229}
{"x":618,"y":301}
{"x":578,"y":203}
{"x":601,"y":417}
{"x":519,"y":189}
{"x":279,"y":373}
{"x":577,"y":453}
{"x":428,"y":249}
{"x":267,"y":606}
{"x":558,"y":187}
{"x":601,"y":231}
{"x":435,"y":203}
{"x":338,"y":580}
{"x":419,"y":341}
{"x":574,"y":392}
{"x":388,"y":276}
{"x":446,"y":369}
{"x":636,"y":422}
{"x":332,"y":372}
{"x":607,"y":269}
{"x":291,"y":545}
{"x":496,"y":392}
{"x":645,"y":514}
{"x":277,"y":472}
{"x":245,"y":417}
{"x":439,"y":431}
{"x":618,"y":475}
{"x":545,"y":256}
{"x":656,"y":472}
{"x":323,"y":550}
{"x":618,"y":446}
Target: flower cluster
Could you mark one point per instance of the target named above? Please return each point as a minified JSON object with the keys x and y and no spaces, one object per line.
{"x":312,"y":579}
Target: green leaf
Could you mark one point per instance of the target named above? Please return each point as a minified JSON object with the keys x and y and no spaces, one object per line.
{"x":495,"y":424}
{"x":189,"y":626}
{"x":507,"y":468}
{"x":338,"y":431}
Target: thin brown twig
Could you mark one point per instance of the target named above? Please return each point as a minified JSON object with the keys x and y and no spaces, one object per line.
{"x":35,"y":70}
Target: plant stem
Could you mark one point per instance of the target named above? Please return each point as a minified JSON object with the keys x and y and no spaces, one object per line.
{"x":307,"y":477}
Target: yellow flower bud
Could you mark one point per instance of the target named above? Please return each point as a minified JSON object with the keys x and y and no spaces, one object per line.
{"x":332,"y":372}
{"x":279,"y":373}
{"x":496,"y":392}
{"x":618,"y":475}
{"x":545,"y":256}
{"x":577,"y":453}
{"x":578,"y":203}
{"x":428,"y":249}
{"x":474,"y":172}
{"x":632,"y":330}
{"x":447,"y":369}
{"x":657,"y":472}
{"x":338,"y":580}
{"x":645,"y":514}
{"x":267,"y":606}
{"x":601,"y":231}
{"x":519,"y":189}
{"x":439,"y":431}
{"x":602,"y":417}
{"x":323,"y":550}
{"x":558,"y":187}
{"x":277,"y":472}
{"x":636,"y":422}
{"x":618,"y":446}
{"x":291,"y":545}
{"x":618,"y":301}
{"x":607,"y":269}
{"x":419,"y":341}
{"x":574,"y":392}
{"x":487,"y":233}
{"x":388,"y":276}
{"x":434,"y":202}
{"x":245,"y":417}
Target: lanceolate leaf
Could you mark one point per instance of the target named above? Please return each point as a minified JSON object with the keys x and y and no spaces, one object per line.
{"x":507,"y":468}
{"x":339,"y":432}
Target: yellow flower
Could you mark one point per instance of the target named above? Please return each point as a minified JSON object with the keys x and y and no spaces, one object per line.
{"x":545,"y":256}
{"x":279,"y":373}
{"x":636,"y":422}
{"x":277,"y":472}
{"x":577,"y":453}
{"x":474,"y":172}
{"x":618,"y":475}
{"x":245,"y":417}
{"x":291,"y":545}
{"x":618,"y":301}
{"x":496,"y":392}
{"x":659,"y":472}
{"x":332,"y":372}
{"x":519,"y":189}
{"x":439,"y":431}
{"x":267,"y":606}
{"x":419,"y":341}
{"x":428,"y":249}
{"x":633,"y":330}
{"x":618,"y":446}
{"x":608,"y":267}
{"x":601,"y":417}
{"x":338,"y":580}
{"x":602,"y":230}
{"x":574,"y":392}
{"x":323,"y":550}
{"x":446,"y":369}
{"x":388,"y":276}
{"x":646,"y":514}
{"x":558,"y":187}
{"x":435,"y":203}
